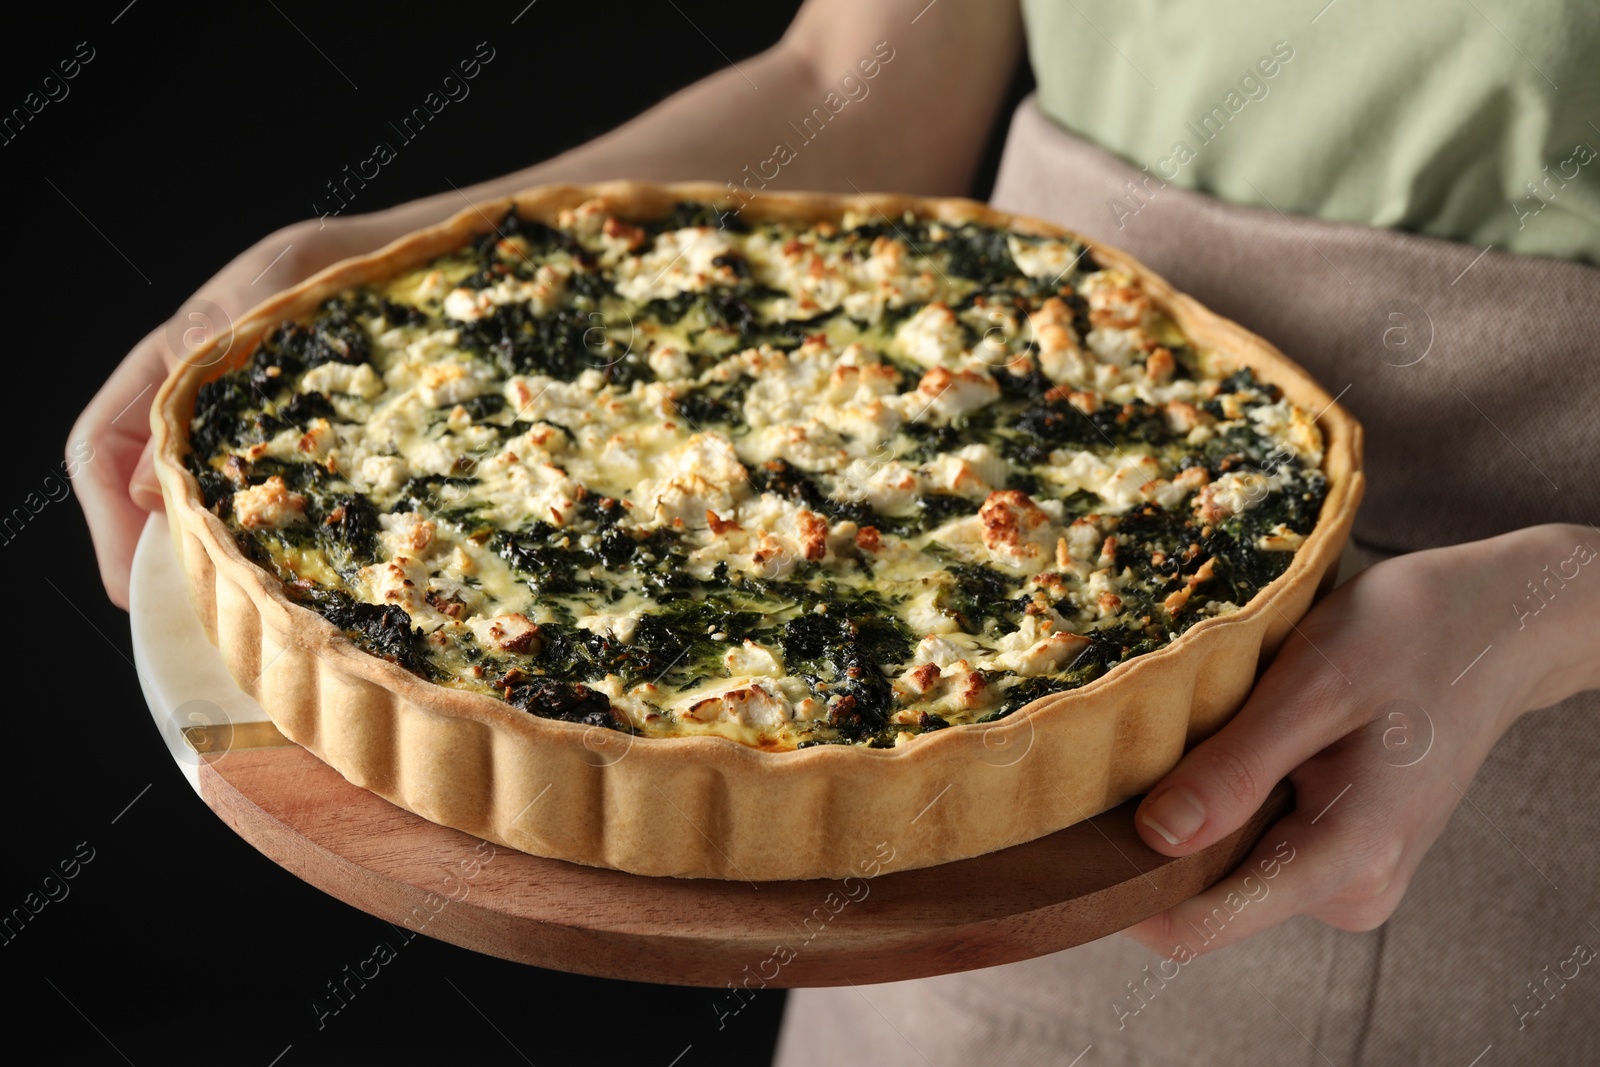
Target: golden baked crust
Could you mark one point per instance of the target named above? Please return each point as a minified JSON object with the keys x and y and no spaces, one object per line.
{"x":709,"y":806}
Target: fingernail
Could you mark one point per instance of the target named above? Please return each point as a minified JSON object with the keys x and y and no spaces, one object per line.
{"x":1176,"y":815}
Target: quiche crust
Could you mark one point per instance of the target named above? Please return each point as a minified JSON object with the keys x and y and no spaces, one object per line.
{"x":709,"y":806}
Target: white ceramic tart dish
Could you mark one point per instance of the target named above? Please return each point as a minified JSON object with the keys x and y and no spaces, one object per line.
{"x":690,"y":777}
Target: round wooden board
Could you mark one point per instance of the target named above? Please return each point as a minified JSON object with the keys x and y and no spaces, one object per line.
{"x":1074,"y":886}
{"x":1066,"y":889}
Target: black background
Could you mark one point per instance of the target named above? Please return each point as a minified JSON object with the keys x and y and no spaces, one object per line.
{"x":190,"y":135}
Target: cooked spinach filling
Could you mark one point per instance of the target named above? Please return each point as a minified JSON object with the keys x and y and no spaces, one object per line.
{"x":790,"y":483}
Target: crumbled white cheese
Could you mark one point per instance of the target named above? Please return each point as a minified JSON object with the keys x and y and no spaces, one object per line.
{"x":618,"y":625}
{"x":749,"y":702}
{"x":269,"y":506}
{"x":704,"y":474}
{"x":542,"y":293}
{"x":355,"y":379}
{"x":932,"y":337}
{"x":680,"y":261}
{"x":750,"y":658}
{"x":1044,"y":259}
{"x":942,"y":394}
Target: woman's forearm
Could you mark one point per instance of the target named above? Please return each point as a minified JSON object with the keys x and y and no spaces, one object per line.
{"x":855,"y":97}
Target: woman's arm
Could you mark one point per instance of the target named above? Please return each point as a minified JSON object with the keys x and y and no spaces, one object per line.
{"x":917,"y":125}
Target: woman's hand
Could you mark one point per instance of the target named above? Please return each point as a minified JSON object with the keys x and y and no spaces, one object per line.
{"x":1379,"y":708}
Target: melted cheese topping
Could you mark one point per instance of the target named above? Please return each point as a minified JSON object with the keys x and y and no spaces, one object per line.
{"x":790,"y":484}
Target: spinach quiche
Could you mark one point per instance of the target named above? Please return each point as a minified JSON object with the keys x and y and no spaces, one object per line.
{"x":749,"y":528}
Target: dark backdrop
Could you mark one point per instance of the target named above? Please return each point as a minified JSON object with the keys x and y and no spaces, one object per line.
{"x":189,"y":135}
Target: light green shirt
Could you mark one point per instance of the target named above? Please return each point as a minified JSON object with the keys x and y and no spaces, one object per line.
{"x":1474,"y":120}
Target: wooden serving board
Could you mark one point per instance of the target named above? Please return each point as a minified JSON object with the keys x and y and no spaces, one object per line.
{"x":1071,"y":887}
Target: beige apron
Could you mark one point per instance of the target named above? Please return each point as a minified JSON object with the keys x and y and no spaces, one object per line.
{"x":1477,"y":377}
